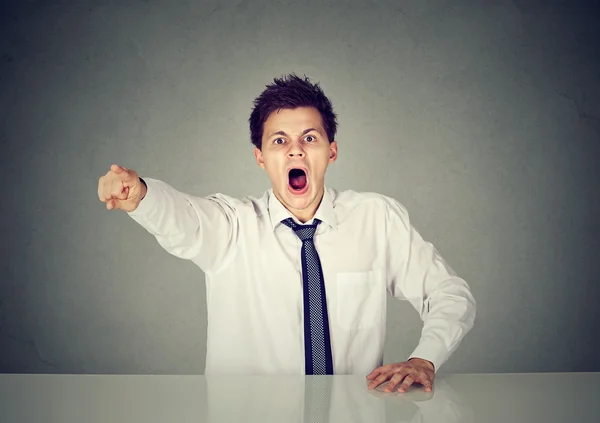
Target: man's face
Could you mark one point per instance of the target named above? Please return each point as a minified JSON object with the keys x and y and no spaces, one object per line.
{"x":295,"y":153}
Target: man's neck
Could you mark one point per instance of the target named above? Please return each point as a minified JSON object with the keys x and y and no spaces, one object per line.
{"x":305,"y":215}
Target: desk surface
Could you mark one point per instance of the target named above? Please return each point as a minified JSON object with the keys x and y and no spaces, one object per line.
{"x":530,"y":397}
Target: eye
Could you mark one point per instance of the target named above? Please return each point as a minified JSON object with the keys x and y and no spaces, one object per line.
{"x":278,"y":139}
{"x":310,"y":138}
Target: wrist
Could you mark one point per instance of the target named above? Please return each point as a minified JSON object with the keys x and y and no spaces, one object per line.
{"x":144,"y":188}
{"x":423,"y":361}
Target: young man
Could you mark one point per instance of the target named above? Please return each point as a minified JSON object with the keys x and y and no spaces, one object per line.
{"x":296,"y":279}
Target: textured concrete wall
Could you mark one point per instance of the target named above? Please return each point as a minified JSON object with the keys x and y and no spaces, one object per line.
{"x":481,"y":117}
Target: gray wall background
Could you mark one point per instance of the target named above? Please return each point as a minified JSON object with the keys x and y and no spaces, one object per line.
{"x":481,"y":117}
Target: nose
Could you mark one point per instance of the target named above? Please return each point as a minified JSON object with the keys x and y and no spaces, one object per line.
{"x":296,"y":150}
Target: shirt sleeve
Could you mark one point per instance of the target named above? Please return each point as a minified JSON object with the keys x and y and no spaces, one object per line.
{"x":420,"y":275}
{"x":201,"y":229}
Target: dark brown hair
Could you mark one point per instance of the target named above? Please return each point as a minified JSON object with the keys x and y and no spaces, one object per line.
{"x":290,"y":92}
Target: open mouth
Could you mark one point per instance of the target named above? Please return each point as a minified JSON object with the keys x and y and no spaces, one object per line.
{"x":297,"y":180}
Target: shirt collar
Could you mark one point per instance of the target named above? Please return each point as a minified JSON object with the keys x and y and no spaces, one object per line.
{"x":325,"y":212}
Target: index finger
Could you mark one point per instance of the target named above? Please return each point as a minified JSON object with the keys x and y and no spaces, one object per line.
{"x":124,"y":173}
{"x":379,"y":370}
{"x":118,"y":169}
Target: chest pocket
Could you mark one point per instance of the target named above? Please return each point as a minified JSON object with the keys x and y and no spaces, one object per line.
{"x":360,"y":299}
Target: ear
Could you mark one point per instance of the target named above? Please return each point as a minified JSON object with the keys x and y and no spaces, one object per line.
{"x":333,"y":151}
{"x":259,"y":158}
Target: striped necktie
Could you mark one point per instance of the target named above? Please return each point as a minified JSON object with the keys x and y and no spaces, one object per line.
{"x":317,"y":345}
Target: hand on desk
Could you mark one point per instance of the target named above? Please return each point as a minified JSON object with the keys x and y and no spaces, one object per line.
{"x":408,"y":372}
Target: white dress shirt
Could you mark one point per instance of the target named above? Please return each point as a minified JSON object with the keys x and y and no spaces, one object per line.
{"x":251,"y":261}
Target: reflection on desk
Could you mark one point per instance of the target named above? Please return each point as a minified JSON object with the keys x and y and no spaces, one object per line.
{"x":248,"y":399}
{"x":328,"y":399}
{"x":542,"y":397}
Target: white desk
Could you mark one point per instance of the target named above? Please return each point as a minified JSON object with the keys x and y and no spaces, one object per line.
{"x":532,"y":398}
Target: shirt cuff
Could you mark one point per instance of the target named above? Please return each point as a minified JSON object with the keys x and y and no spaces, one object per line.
{"x":431,"y":350}
{"x":150,"y":200}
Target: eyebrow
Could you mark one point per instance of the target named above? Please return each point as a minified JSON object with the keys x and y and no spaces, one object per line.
{"x":306,"y":131}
